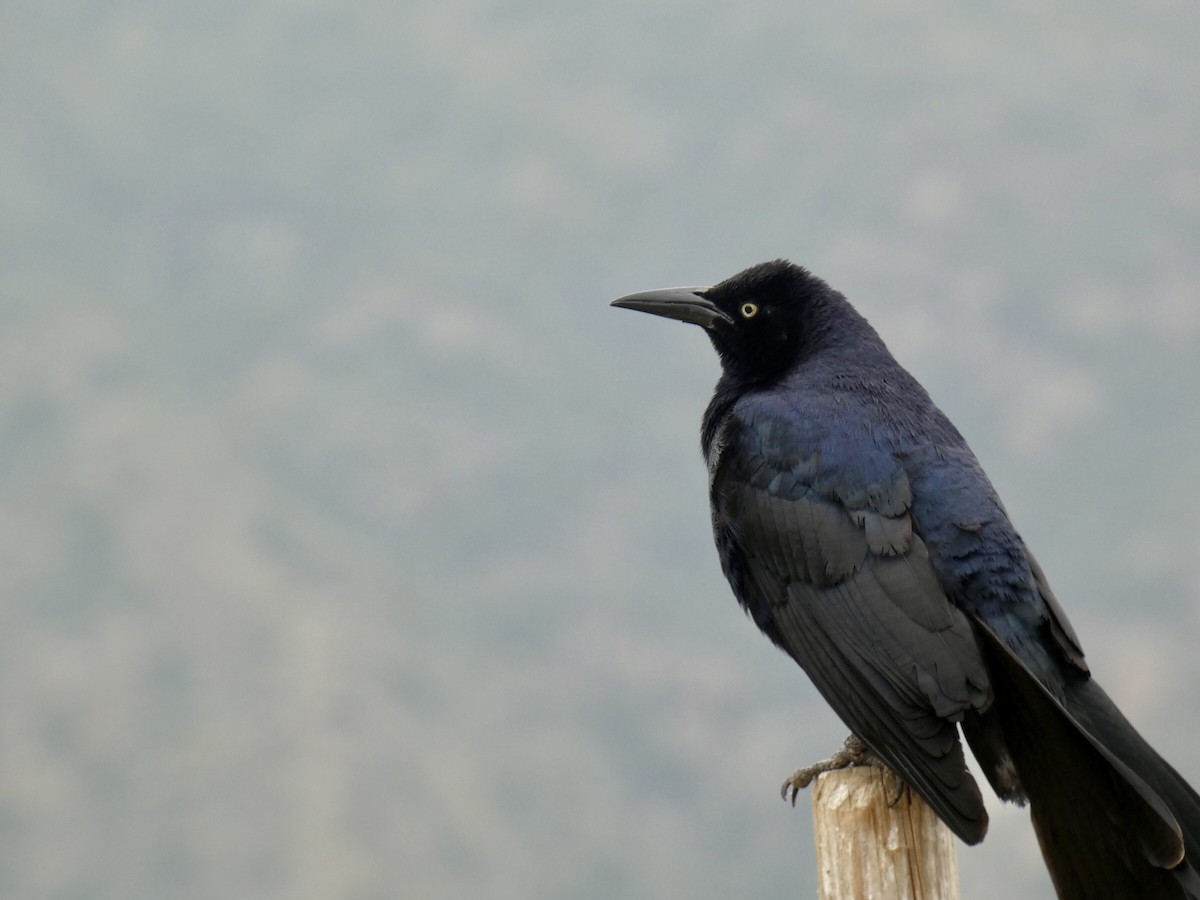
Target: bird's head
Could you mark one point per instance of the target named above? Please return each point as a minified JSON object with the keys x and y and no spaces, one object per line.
{"x":761,"y":321}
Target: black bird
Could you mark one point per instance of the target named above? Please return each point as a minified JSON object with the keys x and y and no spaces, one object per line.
{"x":859,"y":532}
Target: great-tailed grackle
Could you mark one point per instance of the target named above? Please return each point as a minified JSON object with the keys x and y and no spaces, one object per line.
{"x":858,"y":530}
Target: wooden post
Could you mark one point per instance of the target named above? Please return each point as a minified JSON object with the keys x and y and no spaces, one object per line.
{"x":867,"y":850}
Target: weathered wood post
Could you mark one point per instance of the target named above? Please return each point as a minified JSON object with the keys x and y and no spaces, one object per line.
{"x":868,"y":850}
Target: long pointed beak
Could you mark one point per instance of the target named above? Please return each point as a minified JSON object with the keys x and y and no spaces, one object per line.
{"x":687,"y":304}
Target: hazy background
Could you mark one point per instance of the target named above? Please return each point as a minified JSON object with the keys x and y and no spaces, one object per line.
{"x":354,"y":548}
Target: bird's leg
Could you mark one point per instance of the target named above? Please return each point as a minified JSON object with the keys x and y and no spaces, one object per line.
{"x":853,"y":753}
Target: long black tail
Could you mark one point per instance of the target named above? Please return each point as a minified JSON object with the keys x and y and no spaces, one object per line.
{"x":1114,"y":820}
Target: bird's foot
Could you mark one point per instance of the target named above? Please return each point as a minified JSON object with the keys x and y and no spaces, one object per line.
{"x":853,"y":753}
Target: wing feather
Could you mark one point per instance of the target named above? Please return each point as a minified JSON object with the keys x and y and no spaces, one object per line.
{"x":851,"y":595}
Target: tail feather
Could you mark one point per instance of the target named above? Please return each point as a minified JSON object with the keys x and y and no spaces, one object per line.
{"x":1092,"y":708}
{"x":1113,"y":819}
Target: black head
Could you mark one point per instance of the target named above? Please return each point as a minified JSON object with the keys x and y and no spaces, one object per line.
{"x":761,"y":321}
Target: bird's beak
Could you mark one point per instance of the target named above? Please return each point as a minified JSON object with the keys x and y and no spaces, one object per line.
{"x":687,"y":304}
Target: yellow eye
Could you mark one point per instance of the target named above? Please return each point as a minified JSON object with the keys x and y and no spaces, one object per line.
{"x":749,"y":310}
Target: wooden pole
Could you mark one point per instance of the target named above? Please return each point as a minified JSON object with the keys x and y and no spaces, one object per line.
{"x":868,"y":850}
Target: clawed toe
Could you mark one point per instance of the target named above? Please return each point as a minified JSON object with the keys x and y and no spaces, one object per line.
{"x":852,"y":753}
